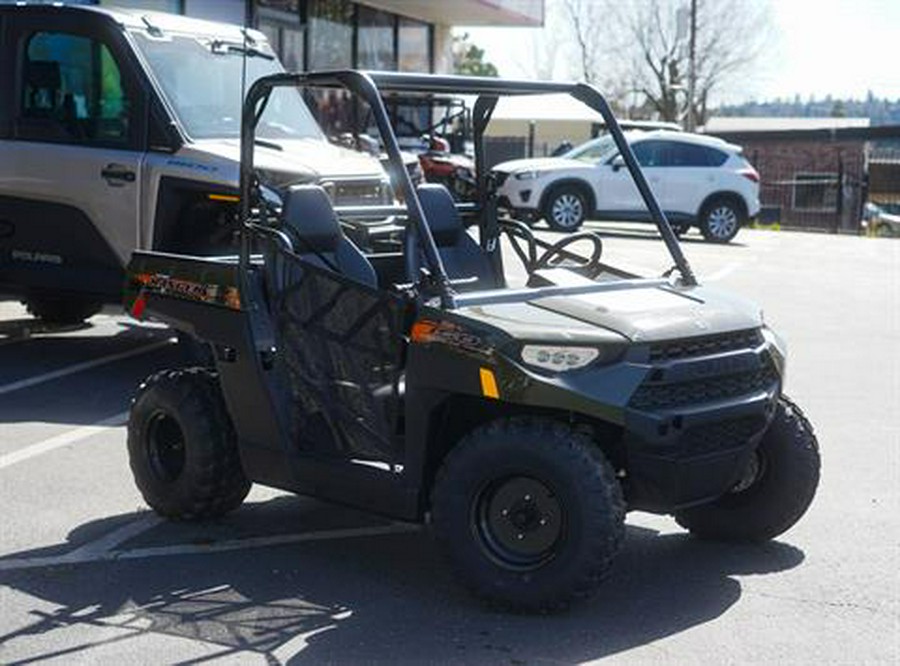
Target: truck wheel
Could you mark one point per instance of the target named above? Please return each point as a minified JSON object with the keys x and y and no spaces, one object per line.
{"x":182,"y":447}
{"x":566,"y":208}
{"x":721,"y":219}
{"x":776,"y":491}
{"x":62,"y":310}
{"x":529,"y":513}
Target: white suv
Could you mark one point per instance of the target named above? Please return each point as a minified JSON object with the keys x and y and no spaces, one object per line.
{"x":698,"y":180}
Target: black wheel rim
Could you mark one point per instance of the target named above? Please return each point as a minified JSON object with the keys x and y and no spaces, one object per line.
{"x":165,"y":447}
{"x":519,"y":522}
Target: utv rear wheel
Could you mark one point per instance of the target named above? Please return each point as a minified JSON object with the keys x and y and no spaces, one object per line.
{"x":566,"y":208}
{"x":182,"y":447}
{"x":529,"y":513}
{"x":777,"y":490}
{"x":721,"y":219}
{"x":62,"y":310}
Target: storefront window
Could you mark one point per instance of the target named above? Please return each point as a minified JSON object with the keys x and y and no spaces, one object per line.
{"x":375,"y":40}
{"x":330,"y":34}
{"x":414,"y":46}
{"x":291,"y":6}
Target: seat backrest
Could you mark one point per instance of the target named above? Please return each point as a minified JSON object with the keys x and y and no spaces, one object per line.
{"x":462,"y":257}
{"x":318,"y":239}
{"x":43,"y":81}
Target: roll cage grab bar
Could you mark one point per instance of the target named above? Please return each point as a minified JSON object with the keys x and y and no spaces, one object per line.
{"x":488,"y":90}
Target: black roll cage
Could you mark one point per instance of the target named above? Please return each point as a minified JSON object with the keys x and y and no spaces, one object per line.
{"x":369,"y":86}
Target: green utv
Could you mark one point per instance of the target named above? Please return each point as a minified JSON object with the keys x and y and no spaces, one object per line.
{"x":403,"y":375}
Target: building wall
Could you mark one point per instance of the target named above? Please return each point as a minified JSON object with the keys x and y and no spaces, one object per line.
{"x":810,"y":184}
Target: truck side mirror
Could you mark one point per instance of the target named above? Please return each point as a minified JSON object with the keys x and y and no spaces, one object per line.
{"x":617,"y":162}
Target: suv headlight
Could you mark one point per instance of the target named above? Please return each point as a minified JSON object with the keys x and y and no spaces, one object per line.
{"x":526,"y":175}
{"x":559,"y":359}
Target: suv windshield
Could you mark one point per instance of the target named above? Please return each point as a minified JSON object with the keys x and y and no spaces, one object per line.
{"x":201,"y":79}
{"x":593,"y":151}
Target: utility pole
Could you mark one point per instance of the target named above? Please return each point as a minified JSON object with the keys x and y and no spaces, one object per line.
{"x":692,"y":74}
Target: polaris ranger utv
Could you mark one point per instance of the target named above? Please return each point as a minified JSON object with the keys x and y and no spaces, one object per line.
{"x":522,"y":423}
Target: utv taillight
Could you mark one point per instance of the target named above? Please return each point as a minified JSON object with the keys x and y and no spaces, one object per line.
{"x":750,"y":174}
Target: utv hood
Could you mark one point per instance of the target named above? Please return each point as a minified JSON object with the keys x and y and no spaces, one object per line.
{"x":639,"y":314}
{"x":648,"y":314}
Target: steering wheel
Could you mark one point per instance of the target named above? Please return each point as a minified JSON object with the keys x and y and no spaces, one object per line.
{"x":591,"y":267}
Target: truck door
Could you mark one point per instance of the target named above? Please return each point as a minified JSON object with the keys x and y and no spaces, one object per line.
{"x":70,"y":168}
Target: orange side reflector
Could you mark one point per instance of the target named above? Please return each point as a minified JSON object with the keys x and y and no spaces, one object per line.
{"x":230,"y":198}
{"x":488,"y":384}
{"x":422,"y":330}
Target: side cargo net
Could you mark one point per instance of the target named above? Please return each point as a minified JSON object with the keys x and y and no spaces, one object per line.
{"x":342,"y":348}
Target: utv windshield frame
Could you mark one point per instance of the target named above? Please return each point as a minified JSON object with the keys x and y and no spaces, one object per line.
{"x":370,"y":87}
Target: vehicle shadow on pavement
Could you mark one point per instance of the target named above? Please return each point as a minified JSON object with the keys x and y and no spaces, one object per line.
{"x":97,"y":374}
{"x":386,"y":598}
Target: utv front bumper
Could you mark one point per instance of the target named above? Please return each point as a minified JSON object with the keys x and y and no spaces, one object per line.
{"x":693,"y":424}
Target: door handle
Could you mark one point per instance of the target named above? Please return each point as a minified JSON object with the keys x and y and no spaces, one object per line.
{"x":117,"y":172}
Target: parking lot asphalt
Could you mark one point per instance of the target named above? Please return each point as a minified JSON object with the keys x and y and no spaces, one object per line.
{"x":89,"y":575}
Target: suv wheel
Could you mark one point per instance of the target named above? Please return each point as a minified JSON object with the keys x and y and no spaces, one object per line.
{"x":62,"y":310}
{"x":721,"y":219}
{"x":566,"y":208}
{"x":529,"y":513}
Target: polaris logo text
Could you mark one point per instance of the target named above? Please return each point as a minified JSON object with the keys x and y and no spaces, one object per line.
{"x":36,"y":257}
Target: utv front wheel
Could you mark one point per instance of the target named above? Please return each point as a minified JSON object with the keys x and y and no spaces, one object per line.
{"x":529,"y":513}
{"x":776,"y":491}
{"x":182,"y":447}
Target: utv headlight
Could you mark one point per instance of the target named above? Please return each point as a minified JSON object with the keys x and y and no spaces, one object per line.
{"x":526,"y":175}
{"x":559,"y":359}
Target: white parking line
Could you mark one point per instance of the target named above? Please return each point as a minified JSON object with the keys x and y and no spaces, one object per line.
{"x":79,"y":367}
{"x":63,"y":439}
{"x":88,"y":553}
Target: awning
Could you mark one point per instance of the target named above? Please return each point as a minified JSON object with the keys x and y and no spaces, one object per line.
{"x":524,"y":13}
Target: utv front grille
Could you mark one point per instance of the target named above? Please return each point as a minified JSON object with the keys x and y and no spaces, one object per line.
{"x":712,"y":437}
{"x":706,"y":345}
{"x":656,"y":396}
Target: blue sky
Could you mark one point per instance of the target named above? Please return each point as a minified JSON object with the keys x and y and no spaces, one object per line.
{"x":839,"y":47}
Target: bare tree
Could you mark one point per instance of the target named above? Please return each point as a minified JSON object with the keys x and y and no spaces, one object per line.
{"x":642,"y":46}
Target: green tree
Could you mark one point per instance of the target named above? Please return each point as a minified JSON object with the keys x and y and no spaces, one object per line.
{"x":468,"y":59}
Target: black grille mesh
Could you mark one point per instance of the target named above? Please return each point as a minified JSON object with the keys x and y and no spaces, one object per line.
{"x":650,"y":397}
{"x":720,"y":436}
{"x":341,"y":347}
{"x":706,"y":345}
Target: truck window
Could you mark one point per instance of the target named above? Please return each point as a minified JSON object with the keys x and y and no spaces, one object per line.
{"x":72,"y":92}
{"x":201,"y":78}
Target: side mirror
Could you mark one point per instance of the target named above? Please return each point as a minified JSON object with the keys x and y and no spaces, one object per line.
{"x":618,"y":162}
